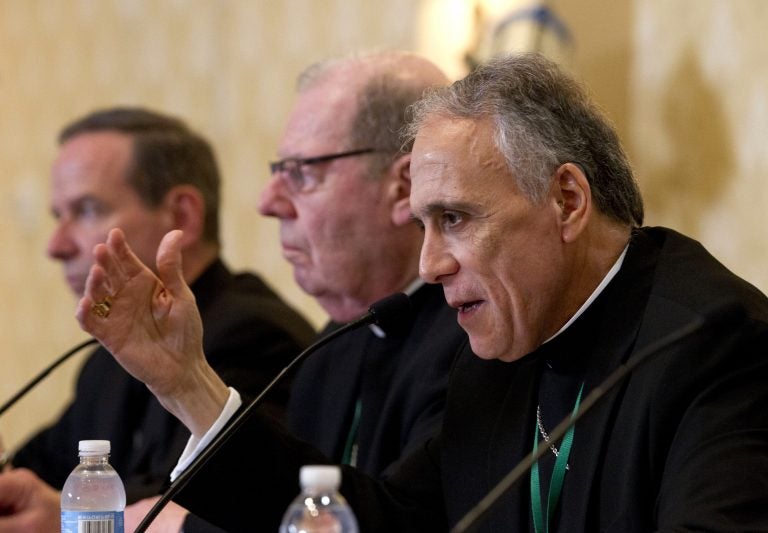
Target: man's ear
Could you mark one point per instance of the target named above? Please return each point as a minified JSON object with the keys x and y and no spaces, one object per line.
{"x":573,"y":198}
{"x":186,"y":207}
{"x":399,"y":189}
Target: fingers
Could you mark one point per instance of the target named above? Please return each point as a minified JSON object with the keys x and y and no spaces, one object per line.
{"x":115,"y":264}
{"x":115,"y":267}
{"x":94,"y":307}
{"x":119,"y":262}
{"x":169,"y":264}
{"x":95,"y":291}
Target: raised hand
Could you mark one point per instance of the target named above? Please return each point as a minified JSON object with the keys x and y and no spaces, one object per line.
{"x":151,"y":325}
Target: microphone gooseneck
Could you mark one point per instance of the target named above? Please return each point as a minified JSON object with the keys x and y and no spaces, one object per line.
{"x":387,"y":313}
{"x":724,"y":311}
{"x":37,"y":379}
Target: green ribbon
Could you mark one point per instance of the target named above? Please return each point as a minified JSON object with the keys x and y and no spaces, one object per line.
{"x":346,"y":458}
{"x":540,"y":520}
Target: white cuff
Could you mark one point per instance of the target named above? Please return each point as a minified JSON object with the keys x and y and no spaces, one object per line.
{"x":195,"y":446}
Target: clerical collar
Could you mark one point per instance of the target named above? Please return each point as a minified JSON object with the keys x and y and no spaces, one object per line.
{"x":603,"y":284}
{"x":409,"y":290}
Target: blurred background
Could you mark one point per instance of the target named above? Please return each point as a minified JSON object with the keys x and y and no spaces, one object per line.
{"x":685,"y":83}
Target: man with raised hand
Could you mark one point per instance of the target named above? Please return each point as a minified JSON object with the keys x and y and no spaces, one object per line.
{"x":532,"y":224}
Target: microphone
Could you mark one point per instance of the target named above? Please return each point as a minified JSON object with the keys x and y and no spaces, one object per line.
{"x":719,"y":313}
{"x":387,"y":313}
{"x":37,"y":379}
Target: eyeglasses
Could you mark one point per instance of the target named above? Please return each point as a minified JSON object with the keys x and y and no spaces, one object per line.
{"x":300,"y":181}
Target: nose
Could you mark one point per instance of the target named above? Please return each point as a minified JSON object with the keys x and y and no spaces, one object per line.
{"x":61,"y":245}
{"x":275,"y":200}
{"x":436,"y":262}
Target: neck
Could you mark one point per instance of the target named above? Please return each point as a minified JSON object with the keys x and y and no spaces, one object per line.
{"x":196,"y":259}
{"x":345,"y":308}
{"x":392,"y":269}
{"x":592,"y":258}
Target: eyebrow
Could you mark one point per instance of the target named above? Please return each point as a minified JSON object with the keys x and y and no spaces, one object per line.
{"x":439,"y":207}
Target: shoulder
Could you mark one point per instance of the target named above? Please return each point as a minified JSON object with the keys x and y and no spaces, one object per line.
{"x":689,"y":281}
{"x":721,"y":320}
{"x":243,"y":302}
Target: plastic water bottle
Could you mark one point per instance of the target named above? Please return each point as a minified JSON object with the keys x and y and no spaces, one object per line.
{"x":319,"y":508}
{"x":93,"y":497}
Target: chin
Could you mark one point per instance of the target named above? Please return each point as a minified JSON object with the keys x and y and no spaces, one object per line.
{"x":491,"y":350}
{"x":484,"y":350}
{"x":305,"y":282}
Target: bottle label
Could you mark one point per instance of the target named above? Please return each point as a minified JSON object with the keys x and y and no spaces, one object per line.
{"x":92,"y":522}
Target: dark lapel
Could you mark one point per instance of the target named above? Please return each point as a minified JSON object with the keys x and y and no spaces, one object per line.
{"x":612,"y":326}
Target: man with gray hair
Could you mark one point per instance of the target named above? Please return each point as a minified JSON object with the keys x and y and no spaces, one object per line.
{"x":532,"y":225}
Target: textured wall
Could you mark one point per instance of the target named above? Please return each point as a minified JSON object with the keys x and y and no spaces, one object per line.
{"x":699,"y":124}
{"x":685,"y":82}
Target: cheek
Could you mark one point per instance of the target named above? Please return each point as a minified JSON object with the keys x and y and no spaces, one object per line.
{"x":87,"y":236}
{"x":144,"y":238}
{"x":513,"y":284}
{"x":345,"y":228}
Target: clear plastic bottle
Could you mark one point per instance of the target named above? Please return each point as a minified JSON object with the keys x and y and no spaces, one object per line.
{"x":93,"y":497}
{"x":319,"y":508}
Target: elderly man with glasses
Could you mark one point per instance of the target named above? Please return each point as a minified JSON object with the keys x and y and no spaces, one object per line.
{"x":341,"y":195}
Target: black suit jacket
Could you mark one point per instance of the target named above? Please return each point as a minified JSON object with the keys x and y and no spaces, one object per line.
{"x":399,"y":380}
{"x":249,"y":336}
{"x":681,"y":445}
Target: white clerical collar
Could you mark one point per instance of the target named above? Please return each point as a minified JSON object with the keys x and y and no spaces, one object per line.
{"x":603,"y":284}
{"x":409,"y":290}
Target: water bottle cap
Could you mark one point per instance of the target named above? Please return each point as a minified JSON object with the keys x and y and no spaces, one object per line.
{"x":320,"y":476}
{"x":94,"y":447}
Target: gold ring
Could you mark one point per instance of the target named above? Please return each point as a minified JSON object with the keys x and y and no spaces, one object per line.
{"x":102,"y":308}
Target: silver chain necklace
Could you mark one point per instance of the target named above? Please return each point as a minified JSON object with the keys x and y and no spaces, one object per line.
{"x":545,"y":435}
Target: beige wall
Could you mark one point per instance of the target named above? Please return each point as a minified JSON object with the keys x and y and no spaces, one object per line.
{"x":685,"y":83}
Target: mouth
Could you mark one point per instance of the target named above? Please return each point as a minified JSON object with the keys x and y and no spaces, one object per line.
{"x":467,"y":307}
{"x":289,"y":249}
{"x":76,"y":284}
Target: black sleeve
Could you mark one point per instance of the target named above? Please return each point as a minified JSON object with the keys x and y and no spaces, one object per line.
{"x":195,"y":524}
{"x":257,"y":474}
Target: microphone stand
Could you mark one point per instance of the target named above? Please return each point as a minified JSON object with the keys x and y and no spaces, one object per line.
{"x":37,"y":379}
{"x":472,"y":518}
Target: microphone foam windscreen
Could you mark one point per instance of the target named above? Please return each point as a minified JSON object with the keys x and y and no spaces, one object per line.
{"x":392,"y":313}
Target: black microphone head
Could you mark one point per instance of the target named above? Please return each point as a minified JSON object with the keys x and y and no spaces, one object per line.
{"x":392,"y":313}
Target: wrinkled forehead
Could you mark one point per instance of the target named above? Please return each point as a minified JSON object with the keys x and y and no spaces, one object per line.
{"x":453,"y":159}
{"x":320,"y":119}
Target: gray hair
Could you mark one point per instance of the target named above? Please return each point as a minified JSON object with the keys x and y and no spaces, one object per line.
{"x":543,"y":118}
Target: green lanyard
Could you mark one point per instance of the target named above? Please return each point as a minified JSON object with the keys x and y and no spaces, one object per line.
{"x":350,"y":449}
{"x":541,"y":522}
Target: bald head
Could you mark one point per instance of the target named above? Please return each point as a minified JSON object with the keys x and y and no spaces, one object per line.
{"x":382,"y":86}
{"x":406,"y":67}
{"x":348,"y":254}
